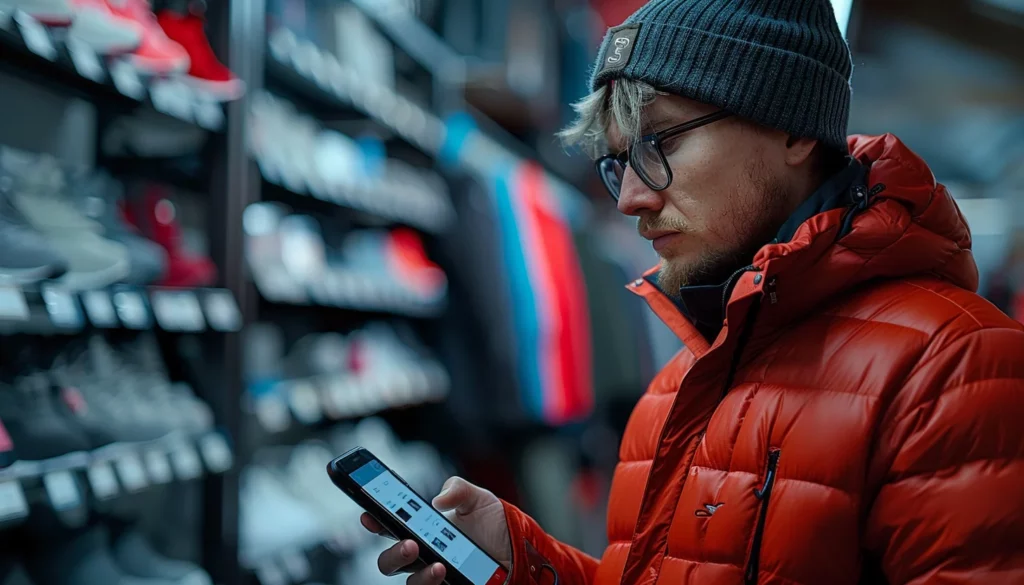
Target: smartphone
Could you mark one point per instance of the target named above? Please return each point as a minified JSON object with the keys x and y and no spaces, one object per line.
{"x":407,"y":516}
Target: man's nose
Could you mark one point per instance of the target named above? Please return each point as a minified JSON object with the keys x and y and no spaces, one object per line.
{"x":636,"y":198}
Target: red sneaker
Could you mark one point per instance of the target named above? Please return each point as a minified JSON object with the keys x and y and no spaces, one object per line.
{"x":155,"y":216}
{"x":157,"y":55}
{"x":206,"y":72}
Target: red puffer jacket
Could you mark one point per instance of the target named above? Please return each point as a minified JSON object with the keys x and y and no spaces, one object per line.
{"x":859,"y":419}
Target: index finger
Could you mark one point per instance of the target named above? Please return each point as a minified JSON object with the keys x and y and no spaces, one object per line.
{"x":375,"y":527}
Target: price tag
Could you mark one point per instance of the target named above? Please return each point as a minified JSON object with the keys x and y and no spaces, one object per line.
{"x":133,"y":476}
{"x":172,"y":98}
{"x":13,"y":505}
{"x":296,"y":565}
{"x":132,"y":309}
{"x":103,"y":481}
{"x":305,"y":402}
{"x":272,"y":414}
{"x":222,"y":311}
{"x":62,"y":490}
{"x":126,"y":80}
{"x":35,"y":36}
{"x":62,"y":307}
{"x":100,"y":309}
{"x":12,"y":304}
{"x":87,"y":63}
{"x":159,"y":468}
{"x":216,"y":452}
{"x":209,"y":114}
{"x":186,"y":462}
{"x":178,"y":310}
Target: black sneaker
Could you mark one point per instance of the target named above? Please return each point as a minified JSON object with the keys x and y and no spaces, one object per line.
{"x":37,"y":429}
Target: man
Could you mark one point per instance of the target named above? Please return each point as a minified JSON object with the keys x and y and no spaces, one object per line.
{"x":847,"y":410}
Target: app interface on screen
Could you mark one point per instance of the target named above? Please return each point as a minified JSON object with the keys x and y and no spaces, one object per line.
{"x":433,"y":528}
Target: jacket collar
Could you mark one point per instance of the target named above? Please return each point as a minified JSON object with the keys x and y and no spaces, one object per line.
{"x":840,"y":237}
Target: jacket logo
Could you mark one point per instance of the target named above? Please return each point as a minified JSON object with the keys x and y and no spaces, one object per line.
{"x":620,"y":45}
{"x":708,"y":510}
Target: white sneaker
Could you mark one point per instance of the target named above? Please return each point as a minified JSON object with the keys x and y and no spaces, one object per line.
{"x":271,"y":519}
{"x":99,"y":28}
{"x":93,"y":261}
{"x":49,"y":12}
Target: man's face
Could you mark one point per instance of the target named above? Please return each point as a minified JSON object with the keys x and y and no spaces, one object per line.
{"x":728,"y":195}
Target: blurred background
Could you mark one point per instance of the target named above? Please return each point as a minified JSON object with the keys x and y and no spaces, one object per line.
{"x":238,"y":238}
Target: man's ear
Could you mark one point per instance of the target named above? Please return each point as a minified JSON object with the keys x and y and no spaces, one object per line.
{"x":799,"y":150}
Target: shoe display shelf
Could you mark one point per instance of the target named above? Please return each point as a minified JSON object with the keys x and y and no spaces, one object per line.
{"x":321,"y":77}
{"x":331,"y":398}
{"x":47,"y":53}
{"x":349,"y":291}
{"x":415,"y":205}
{"x":75,"y":483}
{"x":50,"y":309}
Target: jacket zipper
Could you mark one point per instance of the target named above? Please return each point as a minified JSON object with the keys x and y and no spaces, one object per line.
{"x":764,"y":493}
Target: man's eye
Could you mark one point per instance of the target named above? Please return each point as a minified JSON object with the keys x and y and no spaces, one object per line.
{"x":670,"y":145}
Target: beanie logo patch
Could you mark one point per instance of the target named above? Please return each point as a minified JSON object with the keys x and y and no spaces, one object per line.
{"x":620,"y":47}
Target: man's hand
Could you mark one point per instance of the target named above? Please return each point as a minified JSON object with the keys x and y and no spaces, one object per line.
{"x":474,"y":510}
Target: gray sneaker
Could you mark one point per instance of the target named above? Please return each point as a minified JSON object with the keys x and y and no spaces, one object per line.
{"x":97,"y":195}
{"x":25,"y":256}
{"x":39,"y":195}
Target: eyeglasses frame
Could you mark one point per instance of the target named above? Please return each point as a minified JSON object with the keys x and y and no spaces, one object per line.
{"x":625,"y":157}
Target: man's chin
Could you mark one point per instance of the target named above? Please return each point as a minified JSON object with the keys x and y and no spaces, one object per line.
{"x":678,"y":272}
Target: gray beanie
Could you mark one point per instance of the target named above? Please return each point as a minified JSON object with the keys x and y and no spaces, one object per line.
{"x":780,"y":63}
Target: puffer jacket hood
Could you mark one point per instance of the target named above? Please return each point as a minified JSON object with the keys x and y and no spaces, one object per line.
{"x":911,"y":227}
{"x":858,"y":393}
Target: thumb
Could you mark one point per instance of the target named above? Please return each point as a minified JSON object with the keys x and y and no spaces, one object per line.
{"x":457,"y":494}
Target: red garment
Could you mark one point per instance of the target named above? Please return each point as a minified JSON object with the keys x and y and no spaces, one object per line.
{"x":615,"y":12}
{"x":859,"y":413}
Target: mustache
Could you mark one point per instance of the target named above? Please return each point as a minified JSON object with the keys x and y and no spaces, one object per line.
{"x":649,"y":224}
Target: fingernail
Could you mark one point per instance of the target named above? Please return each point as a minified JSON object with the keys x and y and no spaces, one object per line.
{"x":443,"y":492}
{"x":436,"y":570}
{"x":407,"y":548}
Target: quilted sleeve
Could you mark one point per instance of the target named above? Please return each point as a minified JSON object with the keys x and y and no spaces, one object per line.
{"x":949,"y":467}
{"x":532,"y":549}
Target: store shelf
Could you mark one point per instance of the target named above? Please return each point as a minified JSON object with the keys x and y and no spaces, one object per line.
{"x":73,"y":483}
{"x":319,"y":75}
{"x":313,"y":401}
{"x":351,"y":291}
{"x":49,"y":309}
{"x":29,"y":48}
{"x":412,"y":205}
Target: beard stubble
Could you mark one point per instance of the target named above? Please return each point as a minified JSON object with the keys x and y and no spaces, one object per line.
{"x":755,"y":223}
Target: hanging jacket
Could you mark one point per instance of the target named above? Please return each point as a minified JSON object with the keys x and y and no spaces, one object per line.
{"x":857,"y":418}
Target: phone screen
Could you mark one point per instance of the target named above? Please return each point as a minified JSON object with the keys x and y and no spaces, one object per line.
{"x":432,"y":528}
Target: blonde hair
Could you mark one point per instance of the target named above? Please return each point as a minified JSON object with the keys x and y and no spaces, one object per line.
{"x":623,"y":100}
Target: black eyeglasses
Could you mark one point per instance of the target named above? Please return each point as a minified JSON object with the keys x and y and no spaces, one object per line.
{"x":647,"y":158}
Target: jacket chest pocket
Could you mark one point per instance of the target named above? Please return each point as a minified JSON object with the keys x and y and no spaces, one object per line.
{"x":764,"y":495}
